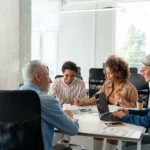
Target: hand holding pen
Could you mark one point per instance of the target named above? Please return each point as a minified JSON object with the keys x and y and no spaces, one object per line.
{"x":63,"y":102}
{"x":78,"y":102}
{"x":66,"y":102}
{"x":69,"y":102}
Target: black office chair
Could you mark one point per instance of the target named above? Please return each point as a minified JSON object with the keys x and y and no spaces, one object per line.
{"x":20,"y":121}
{"x":143,"y":147}
{"x":58,"y":76}
{"x":96,"y":80}
{"x":145,"y":142}
{"x":142,"y":87}
{"x":78,"y":73}
{"x":133,"y":70}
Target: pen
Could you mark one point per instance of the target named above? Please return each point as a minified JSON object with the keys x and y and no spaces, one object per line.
{"x":63,"y":102}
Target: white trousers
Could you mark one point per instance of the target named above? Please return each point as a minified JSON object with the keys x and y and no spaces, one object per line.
{"x":98,"y":144}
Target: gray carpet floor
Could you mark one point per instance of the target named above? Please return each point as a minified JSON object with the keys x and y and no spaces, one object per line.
{"x":86,"y":142}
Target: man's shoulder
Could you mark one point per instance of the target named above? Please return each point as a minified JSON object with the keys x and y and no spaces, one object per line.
{"x":47,"y":99}
{"x":46,"y":96}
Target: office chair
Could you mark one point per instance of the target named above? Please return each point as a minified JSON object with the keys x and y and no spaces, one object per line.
{"x":145,"y":143}
{"x":142,"y":87}
{"x":104,"y":65}
{"x":47,"y":68}
{"x":58,"y":76}
{"x":78,"y":74}
{"x":20,"y":121}
{"x":143,"y":147}
{"x":133,"y":70}
{"x":96,"y":80}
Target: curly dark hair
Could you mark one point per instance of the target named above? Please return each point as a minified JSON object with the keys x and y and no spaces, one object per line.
{"x":69,"y":65}
{"x":118,"y":66}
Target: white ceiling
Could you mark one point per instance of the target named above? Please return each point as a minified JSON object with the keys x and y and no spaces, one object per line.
{"x":88,"y":0}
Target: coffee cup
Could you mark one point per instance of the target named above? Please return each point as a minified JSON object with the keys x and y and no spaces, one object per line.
{"x":139,"y":104}
{"x":66,"y":106}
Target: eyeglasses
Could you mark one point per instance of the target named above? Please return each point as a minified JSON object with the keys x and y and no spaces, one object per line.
{"x":144,"y":69}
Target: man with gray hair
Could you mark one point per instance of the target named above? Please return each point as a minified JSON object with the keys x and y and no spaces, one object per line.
{"x":36,"y":78}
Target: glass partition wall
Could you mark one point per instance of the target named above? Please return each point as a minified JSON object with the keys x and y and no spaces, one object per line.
{"x":88,"y":37}
{"x":132,"y":31}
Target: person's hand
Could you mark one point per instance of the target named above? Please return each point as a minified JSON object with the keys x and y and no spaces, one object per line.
{"x":69,"y":113}
{"x":119,"y":114}
{"x":78,"y":102}
{"x":119,"y":96}
{"x":69,"y":102}
{"x":125,"y":111}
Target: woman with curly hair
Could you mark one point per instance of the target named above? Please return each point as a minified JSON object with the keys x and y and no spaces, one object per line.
{"x":117,"y":89}
{"x":118,"y":92}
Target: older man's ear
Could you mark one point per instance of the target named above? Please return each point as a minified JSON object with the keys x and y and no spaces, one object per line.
{"x":37,"y":77}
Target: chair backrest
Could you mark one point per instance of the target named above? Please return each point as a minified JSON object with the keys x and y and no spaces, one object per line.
{"x":20,"y":121}
{"x":58,"y":76}
{"x":104,"y":65}
{"x":78,"y":73}
{"x":96,"y":80}
{"x":133,"y":70}
{"x":142,"y":87}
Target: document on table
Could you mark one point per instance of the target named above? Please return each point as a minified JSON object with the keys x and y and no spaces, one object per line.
{"x":118,"y":131}
{"x":82,"y":111}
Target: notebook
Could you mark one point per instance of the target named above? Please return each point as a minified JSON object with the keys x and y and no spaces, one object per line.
{"x":103,"y":109}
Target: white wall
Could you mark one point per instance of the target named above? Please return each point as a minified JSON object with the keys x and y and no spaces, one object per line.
{"x":76,"y":41}
{"x":15,"y":41}
{"x":9,"y":44}
{"x":105,"y":37}
{"x":24,"y":35}
{"x":85,"y":38}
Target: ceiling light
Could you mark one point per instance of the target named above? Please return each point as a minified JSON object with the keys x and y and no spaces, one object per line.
{"x":88,"y":10}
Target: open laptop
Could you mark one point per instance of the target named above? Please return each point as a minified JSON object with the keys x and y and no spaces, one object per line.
{"x":103,"y":109}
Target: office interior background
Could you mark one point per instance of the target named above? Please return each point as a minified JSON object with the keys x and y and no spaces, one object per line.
{"x":52,"y":31}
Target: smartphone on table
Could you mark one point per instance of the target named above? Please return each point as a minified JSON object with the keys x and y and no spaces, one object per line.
{"x":112,"y":124}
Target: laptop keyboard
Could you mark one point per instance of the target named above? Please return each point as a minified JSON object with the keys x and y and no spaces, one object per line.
{"x":110,"y":117}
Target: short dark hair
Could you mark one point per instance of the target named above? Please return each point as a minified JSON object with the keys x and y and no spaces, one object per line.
{"x":118,"y":65}
{"x":70,"y":66}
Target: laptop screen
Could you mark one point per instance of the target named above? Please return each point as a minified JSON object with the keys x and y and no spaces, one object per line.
{"x":101,"y":103}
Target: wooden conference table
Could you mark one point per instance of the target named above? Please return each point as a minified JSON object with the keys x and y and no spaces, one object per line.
{"x":90,"y":125}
